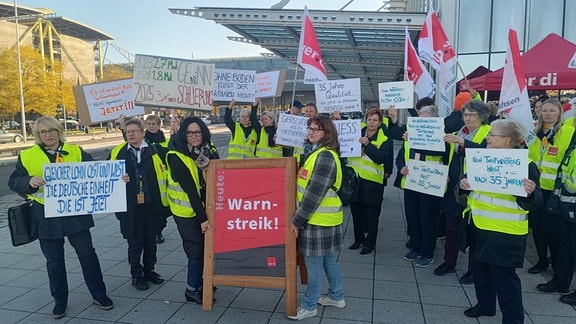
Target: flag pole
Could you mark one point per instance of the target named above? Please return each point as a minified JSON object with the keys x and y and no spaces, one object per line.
{"x":463,"y":74}
{"x":294,"y":85}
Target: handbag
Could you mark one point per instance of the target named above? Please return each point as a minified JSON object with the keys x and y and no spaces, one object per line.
{"x":19,"y":224}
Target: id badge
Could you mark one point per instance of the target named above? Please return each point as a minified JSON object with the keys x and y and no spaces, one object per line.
{"x":140,"y":197}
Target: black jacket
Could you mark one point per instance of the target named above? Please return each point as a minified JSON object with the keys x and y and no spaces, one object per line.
{"x":453,"y":122}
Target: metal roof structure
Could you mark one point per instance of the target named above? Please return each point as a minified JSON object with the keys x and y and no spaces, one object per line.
{"x":65,"y":26}
{"x":355,"y":44}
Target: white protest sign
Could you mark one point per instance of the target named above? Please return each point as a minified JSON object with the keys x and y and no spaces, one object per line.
{"x":172,"y":83}
{"x":426,"y":177}
{"x":81,"y":188}
{"x":400,"y":94}
{"x":349,"y":132}
{"x":292,"y":130}
{"x":234,"y":84}
{"x":108,"y":100}
{"x":426,"y":133}
{"x":497,"y":170}
{"x":343,"y":95}
{"x":270,"y":84}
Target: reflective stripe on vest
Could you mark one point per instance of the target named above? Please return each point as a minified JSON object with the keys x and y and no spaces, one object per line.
{"x":179,"y":201}
{"x":265,"y":151}
{"x":159,"y":169}
{"x":498,"y":212}
{"x":365,"y":167}
{"x":429,"y":158}
{"x":329,"y":212}
{"x":239,"y":147}
{"x":34,"y":158}
{"x":547,"y":163}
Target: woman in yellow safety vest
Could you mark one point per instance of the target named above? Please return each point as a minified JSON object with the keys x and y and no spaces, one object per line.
{"x":548,"y":230}
{"x":500,"y":227}
{"x":189,"y":154}
{"x":370,"y":169}
{"x":27,"y":180}
{"x":266,"y":147}
{"x":317,"y":223}
{"x":244,"y":134}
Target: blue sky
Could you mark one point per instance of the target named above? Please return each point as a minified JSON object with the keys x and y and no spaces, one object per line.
{"x":147,"y":27}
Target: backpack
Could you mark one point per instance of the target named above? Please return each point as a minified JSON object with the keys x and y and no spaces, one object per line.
{"x":349,"y":188}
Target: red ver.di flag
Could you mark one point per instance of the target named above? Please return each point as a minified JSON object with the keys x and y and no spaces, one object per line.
{"x":416,"y":72}
{"x":309,"y":56}
{"x":514,"y":101}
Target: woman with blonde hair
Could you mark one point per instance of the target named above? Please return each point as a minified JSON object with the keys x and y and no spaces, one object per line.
{"x":266,"y":147}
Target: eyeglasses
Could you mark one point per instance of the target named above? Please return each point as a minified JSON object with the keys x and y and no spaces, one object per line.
{"x":314,"y":129}
{"x":472,"y":115}
{"x":130,"y":132}
{"x":194,"y":133}
{"x":497,"y":135}
{"x":50,"y":130}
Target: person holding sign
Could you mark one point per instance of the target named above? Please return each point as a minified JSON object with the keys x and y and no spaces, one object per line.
{"x":317,"y":223}
{"x":422,"y":209}
{"x":500,"y":226}
{"x":370,"y":169}
{"x":27,"y":180}
{"x":188,"y":157}
{"x":244,"y":134}
{"x":147,"y":204}
{"x":266,"y":147}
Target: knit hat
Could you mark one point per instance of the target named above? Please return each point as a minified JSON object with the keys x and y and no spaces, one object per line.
{"x":297,"y":103}
{"x":461,"y":99}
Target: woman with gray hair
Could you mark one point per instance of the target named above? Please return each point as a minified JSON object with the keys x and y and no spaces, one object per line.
{"x":472,"y":135}
{"x":244,"y":133}
{"x":266,"y":147}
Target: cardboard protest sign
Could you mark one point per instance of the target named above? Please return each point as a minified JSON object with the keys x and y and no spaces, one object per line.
{"x":292,"y":130}
{"x":81,"y":188}
{"x":239,"y":85}
{"x":270,"y":84}
{"x":497,"y":170}
{"x":105,"y":101}
{"x":400,"y":94}
{"x":426,"y":177}
{"x":343,"y":95}
{"x":349,"y":133}
{"x":172,"y":83}
{"x":426,"y":133}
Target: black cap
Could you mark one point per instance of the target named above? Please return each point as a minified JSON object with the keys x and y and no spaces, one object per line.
{"x":297,"y":103}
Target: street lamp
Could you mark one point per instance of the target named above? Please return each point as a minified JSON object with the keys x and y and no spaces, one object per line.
{"x":23,"y":115}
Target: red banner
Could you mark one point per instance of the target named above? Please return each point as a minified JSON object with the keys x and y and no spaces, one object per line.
{"x":249,"y":209}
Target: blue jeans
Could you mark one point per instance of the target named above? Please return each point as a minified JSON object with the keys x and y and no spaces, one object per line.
{"x":314,"y":264}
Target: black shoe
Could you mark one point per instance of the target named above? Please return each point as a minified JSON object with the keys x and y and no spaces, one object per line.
{"x":154,"y":278}
{"x":408,"y":244}
{"x":538,"y":268}
{"x":444,"y":269}
{"x":59,"y":311}
{"x":105,"y":303}
{"x":552,"y":287}
{"x":366,"y":250}
{"x":160,"y":239}
{"x":569,"y":299}
{"x":355,"y":246}
{"x":467,"y":278}
{"x":140,"y":283}
{"x":475,"y":312}
{"x":193,"y":296}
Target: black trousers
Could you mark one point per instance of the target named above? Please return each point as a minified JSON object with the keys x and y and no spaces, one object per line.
{"x":365,"y":218}
{"x":193,"y":244}
{"x":53,"y":251}
{"x":422,"y":212}
{"x":491,"y":281}
{"x":143,"y":243}
{"x":561,"y":253}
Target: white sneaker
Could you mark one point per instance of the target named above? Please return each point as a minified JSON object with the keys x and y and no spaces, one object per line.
{"x":327,"y":301}
{"x":301,"y":314}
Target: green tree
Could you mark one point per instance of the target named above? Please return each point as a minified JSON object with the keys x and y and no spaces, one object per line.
{"x":43,"y":85}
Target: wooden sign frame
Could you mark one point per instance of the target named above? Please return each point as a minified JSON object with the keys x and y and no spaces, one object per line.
{"x":288,"y":282}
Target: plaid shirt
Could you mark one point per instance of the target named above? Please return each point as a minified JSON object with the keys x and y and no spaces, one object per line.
{"x":316,"y":240}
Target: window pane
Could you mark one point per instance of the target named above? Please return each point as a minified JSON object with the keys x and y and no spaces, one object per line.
{"x":501,"y":23}
{"x":570,"y":28}
{"x":474,"y":17}
{"x":541,"y":25}
{"x":471,"y":61}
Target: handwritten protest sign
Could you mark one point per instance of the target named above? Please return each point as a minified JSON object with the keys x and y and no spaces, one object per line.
{"x":270,"y":84}
{"x":426,"y":133}
{"x":234,"y":84}
{"x":349,"y":132}
{"x":172,"y":83}
{"x":343,"y":95}
{"x":497,"y":170}
{"x":427,"y":177}
{"x":291,"y":130}
{"x":81,"y":188}
{"x":400,"y":94}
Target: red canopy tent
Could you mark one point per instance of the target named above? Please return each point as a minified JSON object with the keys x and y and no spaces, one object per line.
{"x":478,"y":72}
{"x":545,"y":67}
